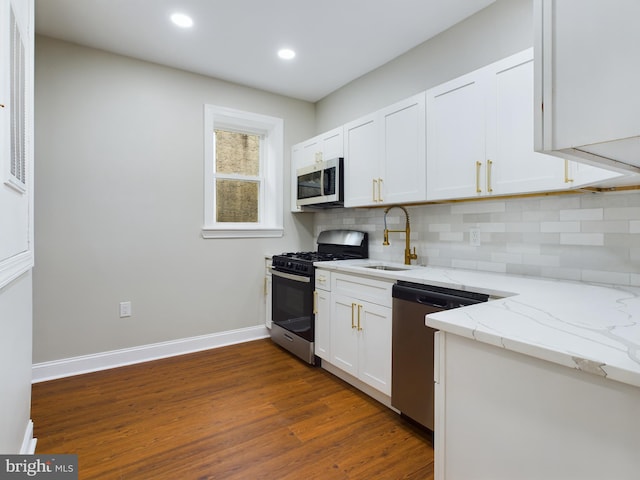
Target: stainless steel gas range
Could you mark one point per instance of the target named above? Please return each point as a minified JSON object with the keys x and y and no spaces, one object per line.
{"x":293,"y":283}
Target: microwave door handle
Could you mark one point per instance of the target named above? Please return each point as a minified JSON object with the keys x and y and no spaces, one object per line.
{"x":289,"y":276}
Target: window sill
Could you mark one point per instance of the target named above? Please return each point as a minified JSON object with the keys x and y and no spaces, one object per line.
{"x":214,"y":232}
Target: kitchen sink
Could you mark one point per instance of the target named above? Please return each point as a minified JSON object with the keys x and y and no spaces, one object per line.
{"x":387,"y":267}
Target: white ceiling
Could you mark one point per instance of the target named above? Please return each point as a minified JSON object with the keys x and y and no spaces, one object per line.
{"x":236,"y":40}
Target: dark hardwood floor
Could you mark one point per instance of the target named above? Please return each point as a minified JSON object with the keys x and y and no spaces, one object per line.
{"x":247,"y":411}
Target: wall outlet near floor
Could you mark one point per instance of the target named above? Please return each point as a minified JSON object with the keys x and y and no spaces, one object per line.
{"x":474,"y":237}
{"x":125,"y":309}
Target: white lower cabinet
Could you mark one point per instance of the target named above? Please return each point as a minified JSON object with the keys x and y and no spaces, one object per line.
{"x":322,"y":312}
{"x":361,"y":329}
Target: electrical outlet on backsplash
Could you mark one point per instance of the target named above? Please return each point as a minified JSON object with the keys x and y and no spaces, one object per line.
{"x":593,"y":237}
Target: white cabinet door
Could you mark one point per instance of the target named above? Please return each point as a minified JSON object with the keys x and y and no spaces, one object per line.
{"x":374,"y":347}
{"x":385,"y":159}
{"x":344,"y":334}
{"x":322,"y":311}
{"x":512,"y":165}
{"x":323,"y":324}
{"x":332,"y":144}
{"x":362,"y":157}
{"x":456,"y":138}
{"x":403,"y":163}
{"x":587,"y":77}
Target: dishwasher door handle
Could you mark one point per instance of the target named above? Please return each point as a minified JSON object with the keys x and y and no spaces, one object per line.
{"x":432,"y":302}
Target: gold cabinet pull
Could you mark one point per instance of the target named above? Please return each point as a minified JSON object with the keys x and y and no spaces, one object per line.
{"x":375,"y":183}
{"x":353,"y":308}
{"x":359,"y":313}
{"x":567,"y":179}
{"x":315,"y":302}
{"x":478,"y":166}
{"x":489,"y":165}
{"x":379,"y":189}
{"x":1,"y":105}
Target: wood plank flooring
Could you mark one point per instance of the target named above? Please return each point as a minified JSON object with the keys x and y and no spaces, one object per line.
{"x":247,"y":411}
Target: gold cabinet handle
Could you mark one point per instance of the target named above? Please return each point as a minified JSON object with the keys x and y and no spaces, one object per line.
{"x":379,"y":189}
{"x":353,"y":308}
{"x":375,"y":183}
{"x":1,"y":105}
{"x":315,"y":302}
{"x":567,"y":179}
{"x":478,"y":166}
{"x":359,"y":314}
{"x":489,"y":165}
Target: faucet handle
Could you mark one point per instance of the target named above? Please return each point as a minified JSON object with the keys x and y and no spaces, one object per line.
{"x":413,"y":255}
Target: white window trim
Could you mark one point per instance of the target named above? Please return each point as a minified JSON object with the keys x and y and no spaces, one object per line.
{"x":271,"y":200}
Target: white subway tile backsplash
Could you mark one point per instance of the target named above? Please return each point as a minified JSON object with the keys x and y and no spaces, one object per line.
{"x":439,"y":227}
{"x":612,"y":278}
{"x":582,"y":239}
{"x":622,"y":213}
{"x":634,"y":226}
{"x":505,"y":257}
{"x":560,"y":227}
{"x":451,"y":236}
{"x":492,"y":227}
{"x":492,"y":267}
{"x":582,"y":214}
{"x":466,"y":264}
{"x":541,"y":260}
{"x":606,"y":226}
{"x":590,"y":236}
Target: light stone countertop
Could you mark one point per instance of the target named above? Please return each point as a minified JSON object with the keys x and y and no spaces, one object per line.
{"x":587,"y":327}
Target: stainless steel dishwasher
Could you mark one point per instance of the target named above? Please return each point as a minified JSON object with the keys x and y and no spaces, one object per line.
{"x":412,"y":345}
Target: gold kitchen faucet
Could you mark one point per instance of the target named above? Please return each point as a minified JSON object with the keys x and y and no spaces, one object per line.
{"x":408,"y":255}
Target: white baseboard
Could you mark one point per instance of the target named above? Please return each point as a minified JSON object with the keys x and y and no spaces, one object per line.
{"x":117,"y":358}
{"x":28,"y":443}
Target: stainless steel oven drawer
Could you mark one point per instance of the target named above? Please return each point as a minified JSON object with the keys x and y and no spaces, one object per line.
{"x":293,"y":343}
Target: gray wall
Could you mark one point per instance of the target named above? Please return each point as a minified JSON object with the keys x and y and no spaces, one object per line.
{"x":503,"y":28}
{"x":119,"y":205}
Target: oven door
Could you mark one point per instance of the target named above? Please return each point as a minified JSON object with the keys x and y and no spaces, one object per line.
{"x":292,"y":303}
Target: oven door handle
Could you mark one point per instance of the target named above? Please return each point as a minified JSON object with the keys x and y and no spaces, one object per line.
{"x":289,"y":276}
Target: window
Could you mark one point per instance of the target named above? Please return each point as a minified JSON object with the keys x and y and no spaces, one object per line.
{"x":243,"y":174}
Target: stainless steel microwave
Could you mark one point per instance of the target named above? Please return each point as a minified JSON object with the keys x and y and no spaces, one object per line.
{"x":321,"y":184}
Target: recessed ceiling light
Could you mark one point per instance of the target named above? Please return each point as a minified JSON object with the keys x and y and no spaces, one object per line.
{"x":286,"y":53}
{"x":182,"y":20}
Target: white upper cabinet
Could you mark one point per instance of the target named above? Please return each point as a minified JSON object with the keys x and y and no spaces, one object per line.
{"x":480,"y":136}
{"x":325,"y":146}
{"x":456,"y":138}
{"x":385,"y":155}
{"x":512,"y":164}
{"x":587,"y":77}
